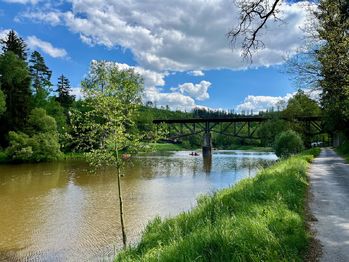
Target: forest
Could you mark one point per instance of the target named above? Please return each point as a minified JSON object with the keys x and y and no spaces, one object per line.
{"x":41,"y":120}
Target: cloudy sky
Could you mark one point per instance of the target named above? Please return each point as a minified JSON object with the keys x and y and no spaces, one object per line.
{"x":178,"y":46}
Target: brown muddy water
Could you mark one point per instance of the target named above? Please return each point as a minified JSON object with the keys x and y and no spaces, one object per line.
{"x":60,"y":212}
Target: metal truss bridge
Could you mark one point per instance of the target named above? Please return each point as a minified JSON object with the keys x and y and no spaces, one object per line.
{"x":237,"y":126}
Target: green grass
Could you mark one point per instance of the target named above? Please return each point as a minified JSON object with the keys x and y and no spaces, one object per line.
{"x":250,"y":148}
{"x":259,"y":219}
{"x":161,"y":147}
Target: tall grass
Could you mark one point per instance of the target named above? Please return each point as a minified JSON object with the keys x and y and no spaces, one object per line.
{"x":259,"y":219}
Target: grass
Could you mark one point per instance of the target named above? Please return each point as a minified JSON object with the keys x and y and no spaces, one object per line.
{"x":259,"y":219}
{"x":343,"y":150}
{"x":250,"y":148}
{"x":162,"y":147}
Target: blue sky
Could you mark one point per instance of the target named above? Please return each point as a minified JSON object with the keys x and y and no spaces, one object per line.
{"x":179,"y":47}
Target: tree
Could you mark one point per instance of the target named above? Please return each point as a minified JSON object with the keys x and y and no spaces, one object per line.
{"x":38,"y":143}
{"x":41,"y":76}
{"x":254,"y":15}
{"x":268,"y":130}
{"x":2,"y":102}
{"x":333,"y":17}
{"x":288,"y":143}
{"x":15,"y":44}
{"x":114,"y":98}
{"x":301,"y":105}
{"x":63,"y":89}
{"x":15,"y":83}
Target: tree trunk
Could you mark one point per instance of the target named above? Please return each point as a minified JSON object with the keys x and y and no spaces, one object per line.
{"x":124,"y":238}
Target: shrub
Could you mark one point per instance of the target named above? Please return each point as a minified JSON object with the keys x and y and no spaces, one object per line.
{"x":40,"y":143}
{"x":288,"y":143}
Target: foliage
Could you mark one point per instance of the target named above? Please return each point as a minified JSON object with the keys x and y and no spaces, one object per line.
{"x":2,"y":102}
{"x":333,"y":56}
{"x":39,"y":72}
{"x":15,"y":44}
{"x":63,"y":89}
{"x":15,"y":83}
{"x":288,"y":143}
{"x":39,"y":143}
{"x":301,"y":105}
{"x":259,"y":219}
{"x":270,"y":129}
{"x":113,"y":97}
{"x":343,"y":150}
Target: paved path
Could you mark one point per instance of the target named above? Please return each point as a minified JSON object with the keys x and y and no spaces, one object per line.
{"x":329,"y":179}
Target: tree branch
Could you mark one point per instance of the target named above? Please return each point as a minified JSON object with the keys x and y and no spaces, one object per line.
{"x":253,"y":17}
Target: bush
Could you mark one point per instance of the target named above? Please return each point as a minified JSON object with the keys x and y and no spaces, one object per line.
{"x":40,"y":143}
{"x":288,"y":143}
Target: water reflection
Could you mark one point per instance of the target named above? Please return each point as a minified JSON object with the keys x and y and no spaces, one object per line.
{"x":60,"y":212}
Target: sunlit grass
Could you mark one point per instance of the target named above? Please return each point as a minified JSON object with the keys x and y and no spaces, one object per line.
{"x":259,"y":219}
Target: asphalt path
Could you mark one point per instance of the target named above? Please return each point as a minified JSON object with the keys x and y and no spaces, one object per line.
{"x":329,"y":204}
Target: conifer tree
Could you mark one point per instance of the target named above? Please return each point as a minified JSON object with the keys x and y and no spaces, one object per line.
{"x":14,"y":43}
{"x":15,"y":83}
{"x":63,"y":90}
{"x":39,"y":72}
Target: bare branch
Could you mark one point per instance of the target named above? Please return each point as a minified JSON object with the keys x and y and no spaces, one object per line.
{"x":254,"y":15}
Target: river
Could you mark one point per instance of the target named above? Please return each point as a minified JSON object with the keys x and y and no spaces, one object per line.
{"x":60,"y":211}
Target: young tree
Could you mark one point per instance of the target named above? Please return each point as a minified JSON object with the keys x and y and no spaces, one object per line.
{"x":15,"y":44}
{"x":41,"y":76}
{"x":63,"y":89}
{"x":15,"y":83}
{"x":114,"y":98}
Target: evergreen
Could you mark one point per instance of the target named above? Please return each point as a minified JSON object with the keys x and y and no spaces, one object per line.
{"x":15,"y":44}
{"x":15,"y":83}
{"x":63,"y":89}
{"x":41,"y":76}
{"x":39,"y":72}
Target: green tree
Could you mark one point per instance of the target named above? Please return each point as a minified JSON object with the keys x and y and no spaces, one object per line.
{"x":268,"y":130}
{"x":288,"y":143}
{"x":2,"y":102}
{"x":15,"y":83}
{"x":63,"y":89}
{"x":333,"y":17}
{"x":38,"y":143}
{"x":114,"y":97}
{"x":41,"y":76}
{"x":301,"y":105}
{"x":15,"y":44}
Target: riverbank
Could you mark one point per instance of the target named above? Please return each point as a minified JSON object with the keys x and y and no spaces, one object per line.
{"x":261,"y":218}
{"x":161,"y":147}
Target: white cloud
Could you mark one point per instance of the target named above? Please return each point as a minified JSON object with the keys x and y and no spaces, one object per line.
{"x":34,"y":42}
{"x":196,"y":73}
{"x":33,"y":2}
{"x":4,"y":33}
{"x":175,"y":100}
{"x":153,"y":91}
{"x":196,"y":91}
{"x":177,"y":35}
{"x":263,"y":103}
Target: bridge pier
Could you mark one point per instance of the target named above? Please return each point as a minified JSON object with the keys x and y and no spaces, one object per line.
{"x":207,"y":141}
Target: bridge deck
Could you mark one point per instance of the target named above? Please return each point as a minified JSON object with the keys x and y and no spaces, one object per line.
{"x":232,"y":119}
